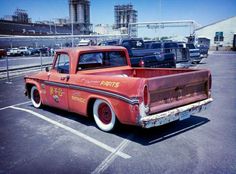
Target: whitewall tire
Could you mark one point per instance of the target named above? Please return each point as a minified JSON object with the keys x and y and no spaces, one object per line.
{"x":35,"y":97}
{"x":104,"y":116}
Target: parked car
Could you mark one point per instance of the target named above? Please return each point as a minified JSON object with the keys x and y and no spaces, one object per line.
{"x":34,"y":51}
{"x":194,"y":53}
{"x":84,"y":42}
{"x":184,"y":52}
{"x":13,"y":52}
{"x":203,"y":50}
{"x":108,"y":42}
{"x":203,"y":41}
{"x":147,"y":57}
{"x":99,"y":81}
{"x":46,"y":51}
{"x":3,"y":53}
{"x":24,"y":51}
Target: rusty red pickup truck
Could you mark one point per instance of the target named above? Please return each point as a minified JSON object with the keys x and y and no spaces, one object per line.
{"x":100,"y":82}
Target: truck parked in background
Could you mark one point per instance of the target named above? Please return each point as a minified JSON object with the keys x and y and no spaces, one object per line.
{"x":153,"y":56}
{"x":203,"y":44}
{"x":234,"y":43}
{"x":194,"y":53}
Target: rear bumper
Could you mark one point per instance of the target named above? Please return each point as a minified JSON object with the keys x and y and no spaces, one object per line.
{"x":180,"y":113}
{"x":195,"y":58}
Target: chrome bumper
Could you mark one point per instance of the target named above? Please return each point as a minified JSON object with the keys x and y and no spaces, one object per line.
{"x":180,"y":113}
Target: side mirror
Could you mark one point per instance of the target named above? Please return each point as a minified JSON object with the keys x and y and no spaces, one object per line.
{"x":47,"y":69}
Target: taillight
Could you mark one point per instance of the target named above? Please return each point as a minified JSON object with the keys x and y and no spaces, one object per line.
{"x":141,"y":63}
{"x":145,"y":96}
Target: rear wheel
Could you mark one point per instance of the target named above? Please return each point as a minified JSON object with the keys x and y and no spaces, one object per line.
{"x":104,"y":116}
{"x":35,"y":97}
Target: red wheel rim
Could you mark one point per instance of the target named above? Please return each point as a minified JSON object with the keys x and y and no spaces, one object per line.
{"x":36,"y":96}
{"x":104,"y":113}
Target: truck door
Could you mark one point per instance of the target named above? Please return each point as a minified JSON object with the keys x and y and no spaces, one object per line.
{"x":57,"y":84}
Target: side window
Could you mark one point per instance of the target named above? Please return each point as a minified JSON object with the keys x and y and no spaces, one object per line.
{"x":63,"y":64}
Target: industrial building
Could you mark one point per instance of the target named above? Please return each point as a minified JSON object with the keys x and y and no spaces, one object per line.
{"x":20,"y":15}
{"x":124,"y":14}
{"x":20,"y":23}
{"x":221,"y":33}
{"x":80,"y":15}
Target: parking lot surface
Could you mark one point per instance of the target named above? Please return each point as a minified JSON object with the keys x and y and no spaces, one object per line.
{"x":49,"y":140}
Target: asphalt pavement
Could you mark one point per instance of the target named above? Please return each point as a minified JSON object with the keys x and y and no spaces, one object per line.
{"x":49,"y":140}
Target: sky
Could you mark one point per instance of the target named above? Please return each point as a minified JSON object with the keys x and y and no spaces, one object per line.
{"x":203,"y":12}
{"x":102,"y":11}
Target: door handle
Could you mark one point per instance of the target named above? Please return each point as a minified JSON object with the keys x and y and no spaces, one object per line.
{"x":65,"y":77}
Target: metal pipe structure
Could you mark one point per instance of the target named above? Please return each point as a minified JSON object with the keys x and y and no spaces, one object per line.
{"x":132,"y":29}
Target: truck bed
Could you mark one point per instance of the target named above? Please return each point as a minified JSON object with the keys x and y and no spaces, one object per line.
{"x":169,"y":88}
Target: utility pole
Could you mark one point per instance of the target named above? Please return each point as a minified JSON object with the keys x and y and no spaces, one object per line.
{"x":72,"y":28}
{"x":160,"y":9}
{"x":55,"y":27}
{"x":50,"y":28}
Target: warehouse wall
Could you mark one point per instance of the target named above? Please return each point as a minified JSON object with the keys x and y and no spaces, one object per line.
{"x":228,"y":27}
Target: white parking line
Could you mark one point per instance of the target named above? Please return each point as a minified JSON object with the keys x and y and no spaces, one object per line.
{"x":108,"y":161}
{"x":6,"y":107}
{"x":232,"y":54}
{"x":75,"y":132}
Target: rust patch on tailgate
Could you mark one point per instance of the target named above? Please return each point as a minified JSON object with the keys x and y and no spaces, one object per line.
{"x":175,"y":91}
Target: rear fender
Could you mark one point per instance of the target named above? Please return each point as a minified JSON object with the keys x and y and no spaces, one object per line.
{"x":123,"y":115}
{"x":93,"y":98}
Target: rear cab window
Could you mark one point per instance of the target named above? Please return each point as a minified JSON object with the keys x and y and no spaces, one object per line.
{"x":101,"y":60}
{"x":190,"y":46}
{"x":170,"y":47}
{"x":156,"y":45}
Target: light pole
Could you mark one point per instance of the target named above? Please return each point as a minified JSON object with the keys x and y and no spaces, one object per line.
{"x":72,"y":28}
{"x":55,"y":27}
{"x":50,"y":27}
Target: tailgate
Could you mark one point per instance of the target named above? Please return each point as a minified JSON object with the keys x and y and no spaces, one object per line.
{"x":171,"y":91}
